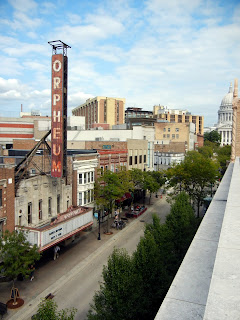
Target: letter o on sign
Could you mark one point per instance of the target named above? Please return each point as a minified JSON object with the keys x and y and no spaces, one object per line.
{"x":57,"y":65}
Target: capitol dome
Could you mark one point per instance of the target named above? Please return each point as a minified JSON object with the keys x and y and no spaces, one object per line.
{"x":228,"y":98}
{"x":225,"y":118}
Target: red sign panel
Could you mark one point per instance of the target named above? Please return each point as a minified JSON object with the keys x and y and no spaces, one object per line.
{"x":57,"y":115}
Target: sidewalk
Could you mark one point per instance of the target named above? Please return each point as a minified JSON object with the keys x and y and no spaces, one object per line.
{"x":50,"y":274}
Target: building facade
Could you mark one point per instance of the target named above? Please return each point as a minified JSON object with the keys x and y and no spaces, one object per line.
{"x":180,"y":116}
{"x":101,"y":110}
{"x":167,"y":132}
{"x":84,"y":173}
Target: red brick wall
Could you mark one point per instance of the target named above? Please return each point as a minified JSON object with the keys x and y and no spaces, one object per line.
{"x":7,"y":184}
{"x":23,"y":144}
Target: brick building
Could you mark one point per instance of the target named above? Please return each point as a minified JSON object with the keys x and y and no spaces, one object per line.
{"x":7,"y":196}
{"x":103,"y":111}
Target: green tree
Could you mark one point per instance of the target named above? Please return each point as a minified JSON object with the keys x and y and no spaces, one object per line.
{"x":150,"y":183}
{"x":194,"y":175}
{"x":134,"y":287}
{"x":206,"y":151}
{"x":223,"y":156}
{"x":17,"y":255}
{"x":117,"y":292}
{"x":212,"y":136}
{"x":47,"y":310}
{"x":151,"y":266}
{"x":110,"y":186}
{"x":182,"y":225}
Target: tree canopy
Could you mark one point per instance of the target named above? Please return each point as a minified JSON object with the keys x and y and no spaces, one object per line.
{"x":47,"y":310}
{"x":212,"y":136}
{"x":133,"y":287}
{"x":17,"y":254}
{"x":193,"y":175}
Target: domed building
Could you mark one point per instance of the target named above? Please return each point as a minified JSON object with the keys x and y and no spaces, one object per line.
{"x":225,"y":117}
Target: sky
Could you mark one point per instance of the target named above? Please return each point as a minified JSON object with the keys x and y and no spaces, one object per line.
{"x":182,"y":54}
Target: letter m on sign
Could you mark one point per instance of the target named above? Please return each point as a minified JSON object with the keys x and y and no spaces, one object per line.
{"x":56,"y":168}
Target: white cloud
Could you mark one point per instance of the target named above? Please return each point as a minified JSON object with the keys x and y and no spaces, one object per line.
{"x":23,"y":5}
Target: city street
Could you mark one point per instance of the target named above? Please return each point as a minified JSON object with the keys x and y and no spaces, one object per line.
{"x":75,"y":276}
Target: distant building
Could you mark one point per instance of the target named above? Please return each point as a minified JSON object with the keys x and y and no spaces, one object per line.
{"x":166,"y":133}
{"x":101,"y":111}
{"x":225,"y":118}
{"x":138,"y":117}
{"x":179,"y":116}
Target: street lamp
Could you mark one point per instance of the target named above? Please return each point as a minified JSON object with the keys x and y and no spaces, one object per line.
{"x":99,"y":215}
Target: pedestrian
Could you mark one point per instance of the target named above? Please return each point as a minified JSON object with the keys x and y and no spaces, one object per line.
{"x":56,"y":250}
{"x":32,"y":269}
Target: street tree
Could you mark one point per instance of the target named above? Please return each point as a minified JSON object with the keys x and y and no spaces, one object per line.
{"x":206,"y":151}
{"x":223,"y":156}
{"x":109,"y":187}
{"x":118,"y":291}
{"x":150,"y":183}
{"x":17,"y":255}
{"x":47,"y":310}
{"x":181,"y":224}
{"x":151,"y":268}
{"x":194,"y":175}
{"x":134,"y":286}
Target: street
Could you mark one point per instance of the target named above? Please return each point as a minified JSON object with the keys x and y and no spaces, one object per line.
{"x":75,"y":276}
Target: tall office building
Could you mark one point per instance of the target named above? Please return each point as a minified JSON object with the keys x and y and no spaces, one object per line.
{"x":101,"y":112}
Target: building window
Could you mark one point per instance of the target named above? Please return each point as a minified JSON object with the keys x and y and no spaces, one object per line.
{"x":177,"y":136}
{"x":89,"y":177}
{"x":106,"y":167}
{"x":92,"y":195}
{"x":19,"y":222}
{"x":169,"y":129}
{"x":173,"y":136}
{"x":67,"y":203}
{"x":85,"y":177}
{"x":135,"y":159}
{"x":80,"y":179}
{"x":140,"y":159}
{"x":58,"y":203}
{"x":145,"y":159}
{"x":80,"y":198}
{"x":164,"y":129}
{"x":118,"y":112}
{"x":85,"y":197}
{"x":89,"y":196}
{"x":92,"y":176}
{"x":112,"y":167}
{"x":1,"y":202}
{"x":177,"y":129}
{"x":29,"y":212}
{"x":49,"y":206}
{"x":105,"y":112}
{"x":168,"y":135}
{"x":40,"y":209}
{"x":164,"y":136}
{"x":130,"y":160}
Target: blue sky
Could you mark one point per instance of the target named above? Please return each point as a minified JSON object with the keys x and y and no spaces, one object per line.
{"x":180,"y":53}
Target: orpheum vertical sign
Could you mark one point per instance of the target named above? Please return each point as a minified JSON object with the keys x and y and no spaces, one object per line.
{"x":59,"y":115}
